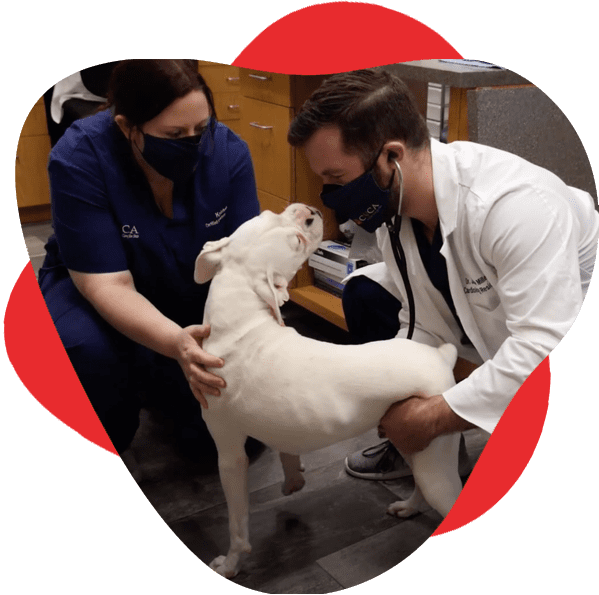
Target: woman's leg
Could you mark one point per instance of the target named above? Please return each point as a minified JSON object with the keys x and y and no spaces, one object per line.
{"x":103,"y":358}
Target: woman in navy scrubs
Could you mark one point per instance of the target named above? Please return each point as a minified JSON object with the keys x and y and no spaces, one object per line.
{"x":137,"y":189}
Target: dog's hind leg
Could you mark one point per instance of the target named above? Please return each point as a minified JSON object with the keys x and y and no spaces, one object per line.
{"x":413,"y":505}
{"x":406,"y":508}
{"x":233,"y":469}
{"x":436,"y":473}
{"x":294,"y":479}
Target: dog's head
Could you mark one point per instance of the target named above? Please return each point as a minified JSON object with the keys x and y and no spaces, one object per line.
{"x":270,"y":248}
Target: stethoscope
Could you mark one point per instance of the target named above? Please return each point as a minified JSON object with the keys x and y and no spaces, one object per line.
{"x":400,"y":258}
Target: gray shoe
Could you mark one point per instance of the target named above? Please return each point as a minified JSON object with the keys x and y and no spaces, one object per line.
{"x":382,"y":462}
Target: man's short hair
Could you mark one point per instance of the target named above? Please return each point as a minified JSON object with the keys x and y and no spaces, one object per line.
{"x":370,"y":107}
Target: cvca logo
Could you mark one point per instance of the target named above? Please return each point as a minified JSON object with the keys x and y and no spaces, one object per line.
{"x":129,"y":232}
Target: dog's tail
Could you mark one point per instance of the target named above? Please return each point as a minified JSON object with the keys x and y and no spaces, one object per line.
{"x":449,"y":353}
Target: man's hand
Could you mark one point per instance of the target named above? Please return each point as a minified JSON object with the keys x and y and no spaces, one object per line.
{"x":413,"y":423}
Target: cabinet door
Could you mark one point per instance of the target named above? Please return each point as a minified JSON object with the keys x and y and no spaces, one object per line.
{"x":268,"y":202}
{"x":35,"y":124}
{"x":228,"y":106}
{"x":31,"y":176}
{"x":265,"y":130}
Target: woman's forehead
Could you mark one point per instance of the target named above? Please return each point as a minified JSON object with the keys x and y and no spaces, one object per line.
{"x":189,"y":109}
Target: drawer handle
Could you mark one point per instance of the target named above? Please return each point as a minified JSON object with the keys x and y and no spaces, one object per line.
{"x":233,"y":107}
{"x":232,"y":79}
{"x":258,"y":77}
{"x":256,"y":125}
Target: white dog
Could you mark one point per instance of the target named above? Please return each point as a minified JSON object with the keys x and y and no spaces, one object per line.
{"x":296,"y":394}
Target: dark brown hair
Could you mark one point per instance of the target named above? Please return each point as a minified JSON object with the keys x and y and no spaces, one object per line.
{"x":142,"y":89}
{"x":370,"y":107}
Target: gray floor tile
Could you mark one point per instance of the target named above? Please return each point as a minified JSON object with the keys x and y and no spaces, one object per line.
{"x":375,"y":555}
{"x":289,"y":534}
{"x":41,"y":230}
{"x":34,"y":245}
{"x":311,"y":579}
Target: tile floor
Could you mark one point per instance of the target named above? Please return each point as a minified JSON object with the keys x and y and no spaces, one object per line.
{"x":36,"y":235}
{"x":332,"y":535}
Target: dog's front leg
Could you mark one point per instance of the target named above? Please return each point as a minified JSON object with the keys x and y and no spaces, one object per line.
{"x":294,"y":479}
{"x":233,"y":469}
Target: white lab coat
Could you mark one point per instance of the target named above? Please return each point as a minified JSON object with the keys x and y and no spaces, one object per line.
{"x":515,"y":239}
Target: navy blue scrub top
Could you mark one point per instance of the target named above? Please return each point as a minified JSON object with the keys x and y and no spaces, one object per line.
{"x":106,"y":220}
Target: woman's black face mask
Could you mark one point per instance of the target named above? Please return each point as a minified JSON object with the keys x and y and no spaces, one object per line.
{"x":175,"y":159}
{"x":361,"y":200}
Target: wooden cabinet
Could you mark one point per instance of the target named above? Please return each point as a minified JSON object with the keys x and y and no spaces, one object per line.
{"x":31,"y":177}
{"x":269,"y":103}
{"x":223,"y":81}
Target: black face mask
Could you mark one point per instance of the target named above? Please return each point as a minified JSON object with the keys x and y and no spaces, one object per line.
{"x":175,"y":159}
{"x":361,"y":200}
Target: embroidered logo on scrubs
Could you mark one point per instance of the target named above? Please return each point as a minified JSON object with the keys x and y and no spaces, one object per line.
{"x":129,"y":232}
{"x":480,"y":285}
{"x":218,"y":217}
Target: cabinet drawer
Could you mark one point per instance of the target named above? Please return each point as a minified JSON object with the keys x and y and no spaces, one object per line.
{"x":266,"y":86}
{"x":228,"y":106}
{"x":31,"y":177}
{"x":265,"y":130}
{"x":220,"y":77}
{"x":35,"y":124}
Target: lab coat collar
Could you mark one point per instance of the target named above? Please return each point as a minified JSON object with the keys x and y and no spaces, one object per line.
{"x":445,"y":184}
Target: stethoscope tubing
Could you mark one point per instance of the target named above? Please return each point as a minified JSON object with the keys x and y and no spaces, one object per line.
{"x":400,"y":257}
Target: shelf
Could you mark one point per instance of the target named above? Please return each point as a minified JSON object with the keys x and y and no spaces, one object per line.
{"x":319,"y":302}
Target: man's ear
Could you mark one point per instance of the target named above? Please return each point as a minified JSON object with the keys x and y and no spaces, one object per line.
{"x":209,"y":260}
{"x":272,"y":288}
{"x":393,"y":151}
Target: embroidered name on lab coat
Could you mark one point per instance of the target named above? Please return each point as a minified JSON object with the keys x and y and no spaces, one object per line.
{"x":480,"y":285}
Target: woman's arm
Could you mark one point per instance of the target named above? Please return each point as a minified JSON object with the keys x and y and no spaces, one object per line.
{"x":116,"y":299}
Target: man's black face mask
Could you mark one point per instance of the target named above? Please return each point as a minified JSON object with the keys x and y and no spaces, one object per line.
{"x":361,"y":200}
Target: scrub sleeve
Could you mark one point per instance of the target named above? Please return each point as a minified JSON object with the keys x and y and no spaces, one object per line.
{"x":105,"y":220}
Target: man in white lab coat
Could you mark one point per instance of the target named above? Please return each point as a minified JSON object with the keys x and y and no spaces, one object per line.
{"x":498,"y":252}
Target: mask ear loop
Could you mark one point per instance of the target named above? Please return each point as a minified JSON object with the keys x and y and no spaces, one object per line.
{"x":400,"y":257}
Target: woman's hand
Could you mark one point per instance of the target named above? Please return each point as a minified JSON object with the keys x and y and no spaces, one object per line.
{"x":194,"y":361}
{"x":115,"y":297}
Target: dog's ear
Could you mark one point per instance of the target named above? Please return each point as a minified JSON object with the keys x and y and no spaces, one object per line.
{"x":208,"y":260}
{"x":273,"y":290}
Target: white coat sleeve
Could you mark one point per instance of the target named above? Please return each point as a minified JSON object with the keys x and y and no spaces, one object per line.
{"x":531,"y":241}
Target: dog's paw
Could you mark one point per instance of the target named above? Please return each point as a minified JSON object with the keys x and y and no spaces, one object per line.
{"x":402,"y":509}
{"x":293,"y":484}
{"x":223,"y":567}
